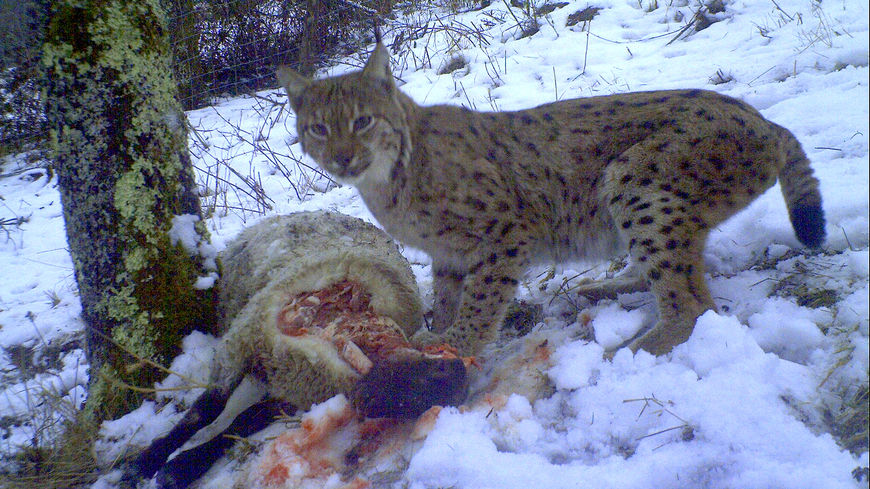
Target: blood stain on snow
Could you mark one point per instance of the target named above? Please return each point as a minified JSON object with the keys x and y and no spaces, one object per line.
{"x":333,"y":448}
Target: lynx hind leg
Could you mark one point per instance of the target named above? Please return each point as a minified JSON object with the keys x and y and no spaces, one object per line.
{"x":666,"y":241}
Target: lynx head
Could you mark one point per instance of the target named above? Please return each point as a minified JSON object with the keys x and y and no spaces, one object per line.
{"x":352,"y":125}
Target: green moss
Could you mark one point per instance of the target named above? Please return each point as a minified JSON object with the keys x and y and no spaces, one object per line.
{"x":136,"y":259}
{"x":136,"y":202}
{"x":134,"y":332}
{"x":106,"y":399}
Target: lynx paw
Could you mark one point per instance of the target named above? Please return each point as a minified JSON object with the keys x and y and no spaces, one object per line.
{"x":661,"y":339}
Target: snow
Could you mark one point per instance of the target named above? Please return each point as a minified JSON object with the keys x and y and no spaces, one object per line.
{"x":796,"y":339}
{"x":720,"y":384}
{"x":745,"y":402}
{"x":183,"y":232}
{"x":613,"y":325}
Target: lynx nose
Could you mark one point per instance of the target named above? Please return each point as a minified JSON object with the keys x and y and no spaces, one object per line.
{"x":342,"y":157}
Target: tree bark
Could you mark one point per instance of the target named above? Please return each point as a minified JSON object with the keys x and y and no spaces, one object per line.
{"x":124,"y":172}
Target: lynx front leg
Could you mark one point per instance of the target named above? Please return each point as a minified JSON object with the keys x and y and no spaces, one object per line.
{"x":487,"y":292}
{"x":448,"y":291}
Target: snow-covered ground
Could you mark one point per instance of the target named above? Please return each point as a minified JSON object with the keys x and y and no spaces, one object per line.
{"x":750,"y":401}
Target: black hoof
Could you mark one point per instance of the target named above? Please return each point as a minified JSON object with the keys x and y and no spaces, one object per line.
{"x":408,"y":384}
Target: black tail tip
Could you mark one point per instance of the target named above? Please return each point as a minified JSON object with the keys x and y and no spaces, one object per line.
{"x":809,"y":225}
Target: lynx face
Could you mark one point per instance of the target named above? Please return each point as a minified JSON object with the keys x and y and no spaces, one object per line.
{"x":359,"y":140}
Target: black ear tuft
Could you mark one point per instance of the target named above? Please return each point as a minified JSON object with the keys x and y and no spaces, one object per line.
{"x":378,"y":67}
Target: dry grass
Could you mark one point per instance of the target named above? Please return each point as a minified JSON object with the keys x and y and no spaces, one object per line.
{"x":848,"y":417}
{"x":62,"y":463}
{"x":850,"y":424}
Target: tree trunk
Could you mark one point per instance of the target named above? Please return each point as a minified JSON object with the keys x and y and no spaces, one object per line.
{"x":187,"y":67}
{"x":313,"y":36}
{"x":120,"y":153}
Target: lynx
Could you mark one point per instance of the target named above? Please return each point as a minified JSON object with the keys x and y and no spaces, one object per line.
{"x":488,"y":194}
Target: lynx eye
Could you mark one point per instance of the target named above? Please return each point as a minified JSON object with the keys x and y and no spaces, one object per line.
{"x":362,"y":123}
{"x":319,"y":131}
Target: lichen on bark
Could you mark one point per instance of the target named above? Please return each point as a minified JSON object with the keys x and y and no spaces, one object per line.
{"x":120,"y":153}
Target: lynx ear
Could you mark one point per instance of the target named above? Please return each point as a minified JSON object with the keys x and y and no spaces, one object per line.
{"x":378,"y":66}
{"x":293,"y":83}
